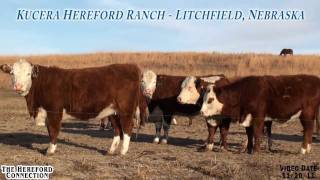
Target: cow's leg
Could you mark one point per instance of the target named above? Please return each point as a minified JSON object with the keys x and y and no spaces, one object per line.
{"x":117,"y":130}
{"x":224,"y":129}
{"x":53,"y":126}
{"x":249,"y":132}
{"x":211,"y":130}
{"x":108,"y":126}
{"x":102,"y":124}
{"x":158,"y":126}
{"x":166,"y":126}
{"x":268,"y":125}
{"x":143,"y":116}
{"x":257,"y":132}
{"x":307,"y":122}
{"x":127,"y":126}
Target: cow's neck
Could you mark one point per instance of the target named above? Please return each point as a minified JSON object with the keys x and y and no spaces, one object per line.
{"x":38,"y":81}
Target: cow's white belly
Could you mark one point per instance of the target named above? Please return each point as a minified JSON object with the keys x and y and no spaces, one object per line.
{"x":108,"y":111}
{"x":247,"y":121}
{"x":293,"y":117}
{"x":65,"y":115}
{"x":40,"y":119}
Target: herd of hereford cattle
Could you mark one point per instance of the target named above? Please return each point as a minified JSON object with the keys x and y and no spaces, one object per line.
{"x":125,"y":95}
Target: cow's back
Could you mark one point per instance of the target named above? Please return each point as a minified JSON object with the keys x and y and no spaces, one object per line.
{"x":93,"y":89}
{"x":296,"y":91}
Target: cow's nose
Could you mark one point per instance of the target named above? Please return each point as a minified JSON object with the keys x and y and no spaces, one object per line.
{"x":17,"y":87}
{"x":179,"y":99}
{"x":147,"y":92}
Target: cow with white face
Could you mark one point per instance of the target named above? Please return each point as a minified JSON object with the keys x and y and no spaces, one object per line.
{"x":148,"y":83}
{"x":242,"y":100}
{"x":192,"y":87}
{"x":162,"y":91}
{"x":211,"y":105}
{"x":192,"y":90}
{"x":51,"y":92}
{"x":21,"y":75}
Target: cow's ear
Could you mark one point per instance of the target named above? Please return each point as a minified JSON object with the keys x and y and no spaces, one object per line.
{"x":6,"y":68}
{"x":35,"y":71}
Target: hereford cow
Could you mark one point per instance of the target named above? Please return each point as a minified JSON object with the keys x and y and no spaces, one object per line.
{"x":193,"y":89}
{"x":83,"y":93}
{"x":256,"y":98}
{"x":285,"y":52}
{"x":162,"y":90}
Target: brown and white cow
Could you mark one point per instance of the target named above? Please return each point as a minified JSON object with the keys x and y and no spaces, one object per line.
{"x":163,"y":91}
{"x":254,"y":99}
{"x":86,"y":93}
{"x":193,"y":89}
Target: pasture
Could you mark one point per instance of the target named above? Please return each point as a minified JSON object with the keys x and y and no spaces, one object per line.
{"x":81,"y":152}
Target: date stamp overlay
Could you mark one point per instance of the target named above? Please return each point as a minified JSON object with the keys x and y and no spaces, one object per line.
{"x":300,"y":171}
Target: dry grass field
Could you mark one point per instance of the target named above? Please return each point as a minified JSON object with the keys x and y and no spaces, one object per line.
{"x":186,"y":63}
{"x":81,"y":152}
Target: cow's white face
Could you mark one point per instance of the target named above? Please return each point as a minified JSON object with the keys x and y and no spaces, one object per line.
{"x":211,"y":105}
{"x":148,"y":83}
{"x":189,"y":93}
{"x":21,"y":74}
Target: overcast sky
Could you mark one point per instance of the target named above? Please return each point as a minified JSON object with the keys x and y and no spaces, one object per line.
{"x":33,"y":37}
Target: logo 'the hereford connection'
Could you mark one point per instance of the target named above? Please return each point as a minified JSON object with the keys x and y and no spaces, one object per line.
{"x":26,"y":172}
{"x":154,"y":15}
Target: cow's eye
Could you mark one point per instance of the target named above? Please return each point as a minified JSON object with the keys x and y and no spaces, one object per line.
{"x":29,"y":74}
{"x":210,"y":100}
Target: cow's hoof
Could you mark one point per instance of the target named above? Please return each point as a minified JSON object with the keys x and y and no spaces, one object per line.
{"x":224,"y":149}
{"x":306,"y":151}
{"x":101,"y":129}
{"x":164,"y":141}
{"x":209,"y":146}
{"x":111,"y":153}
{"x":40,"y":124}
{"x":51,"y":149}
{"x":156,"y":140}
{"x":122,"y":153}
{"x":49,"y":154}
{"x":174,"y":121}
